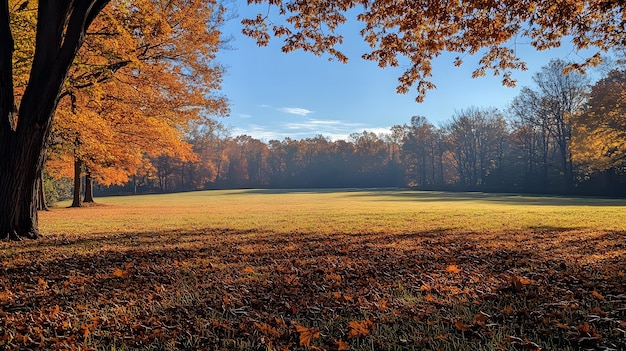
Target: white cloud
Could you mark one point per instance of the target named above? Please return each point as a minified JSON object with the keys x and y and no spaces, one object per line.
{"x":244,"y":115}
{"x":295,"y":110}
{"x":333,"y":129}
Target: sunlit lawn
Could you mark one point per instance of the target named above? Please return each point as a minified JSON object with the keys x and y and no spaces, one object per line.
{"x":350,"y":269}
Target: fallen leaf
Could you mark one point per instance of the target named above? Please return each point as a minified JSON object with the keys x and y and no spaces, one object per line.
{"x":307,"y":335}
{"x":360,"y":328}
{"x":597,"y":295}
{"x":342,"y":346}
{"x":119,"y":273}
{"x":453,"y":269}
{"x":461,"y":326}
{"x":480,"y":319}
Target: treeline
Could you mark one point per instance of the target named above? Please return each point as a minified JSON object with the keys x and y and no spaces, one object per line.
{"x":561,"y":135}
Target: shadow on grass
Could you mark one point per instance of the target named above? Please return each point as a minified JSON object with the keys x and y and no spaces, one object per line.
{"x":395,"y":194}
{"x":231,"y":289}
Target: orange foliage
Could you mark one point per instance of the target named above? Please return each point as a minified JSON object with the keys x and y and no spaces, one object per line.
{"x":145,"y":73}
{"x":421,"y":31}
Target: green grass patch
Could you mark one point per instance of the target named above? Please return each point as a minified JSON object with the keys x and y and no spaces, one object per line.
{"x":331,"y":270}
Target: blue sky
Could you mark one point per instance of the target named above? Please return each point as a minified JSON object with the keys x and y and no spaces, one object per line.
{"x":274,"y":95}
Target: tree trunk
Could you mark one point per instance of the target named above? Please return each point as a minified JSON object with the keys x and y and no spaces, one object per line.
{"x":61,"y":27}
{"x":19,"y":171}
{"x":88,"y":189}
{"x":41,"y":195}
{"x":78,"y":164}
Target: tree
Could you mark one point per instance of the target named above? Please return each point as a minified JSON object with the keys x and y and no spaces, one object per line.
{"x":144,"y":75}
{"x":60,"y":32}
{"x":476,"y":136}
{"x":546,"y":113}
{"x":599,"y":133}
{"x":422,"y":30}
{"x":420,"y":151}
{"x":28,"y":106}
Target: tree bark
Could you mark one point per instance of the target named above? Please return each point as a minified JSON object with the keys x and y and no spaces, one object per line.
{"x":41,"y":195}
{"x":78,"y":165}
{"x":88,"y":189}
{"x":61,"y":26}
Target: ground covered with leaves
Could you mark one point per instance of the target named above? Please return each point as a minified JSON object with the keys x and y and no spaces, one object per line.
{"x":546,"y":288}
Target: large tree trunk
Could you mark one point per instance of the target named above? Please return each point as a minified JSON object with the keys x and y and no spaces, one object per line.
{"x":61,"y":26}
{"x":78,"y":166}
{"x":19,"y":171}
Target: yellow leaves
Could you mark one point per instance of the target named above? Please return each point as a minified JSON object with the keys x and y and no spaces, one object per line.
{"x":306,"y":334}
{"x":360,"y":328}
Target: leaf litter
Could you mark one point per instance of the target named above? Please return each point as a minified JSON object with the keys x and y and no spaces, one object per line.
{"x":224,"y":289}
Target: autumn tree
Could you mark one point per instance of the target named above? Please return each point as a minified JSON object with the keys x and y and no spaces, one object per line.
{"x":599,"y":133}
{"x":144,"y":75}
{"x":27,"y":112}
{"x":26,"y":123}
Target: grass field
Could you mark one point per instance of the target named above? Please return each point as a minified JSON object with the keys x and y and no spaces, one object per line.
{"x":320,"y":270}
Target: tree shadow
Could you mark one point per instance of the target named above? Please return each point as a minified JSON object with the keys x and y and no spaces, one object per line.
{"x":222,"y":283}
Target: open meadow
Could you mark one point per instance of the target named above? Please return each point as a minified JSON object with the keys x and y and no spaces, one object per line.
{"x":320,"y":270}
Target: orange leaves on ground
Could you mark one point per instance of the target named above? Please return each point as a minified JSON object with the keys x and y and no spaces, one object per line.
{"x":461,"y":326}
{"x":508,"y":311}
{"x":42,"y":284}
{"x":342,"y":346}
{"x":360,"y":328}
{"x":597,"y":295}
{"x":453,"y":269}
{"x":122,"y":273}
{"x":480,"y":319}
{"x":267,"y":329}
{"x":248,"y":270}
{"x":307,"y":334}
{"x":518,"y":282}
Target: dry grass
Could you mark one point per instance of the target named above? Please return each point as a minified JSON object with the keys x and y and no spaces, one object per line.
{"x":368,"y":270}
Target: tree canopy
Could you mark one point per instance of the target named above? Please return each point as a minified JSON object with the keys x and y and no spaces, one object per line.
{"x":422,"y":30}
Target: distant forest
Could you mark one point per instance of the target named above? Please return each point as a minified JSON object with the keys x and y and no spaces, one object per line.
{"x":563,"y":135}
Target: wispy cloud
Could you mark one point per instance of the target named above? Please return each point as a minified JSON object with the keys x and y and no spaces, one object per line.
{"x":244,"y":115}
{"x":295,"y":111}
{"x":331,"y":128}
